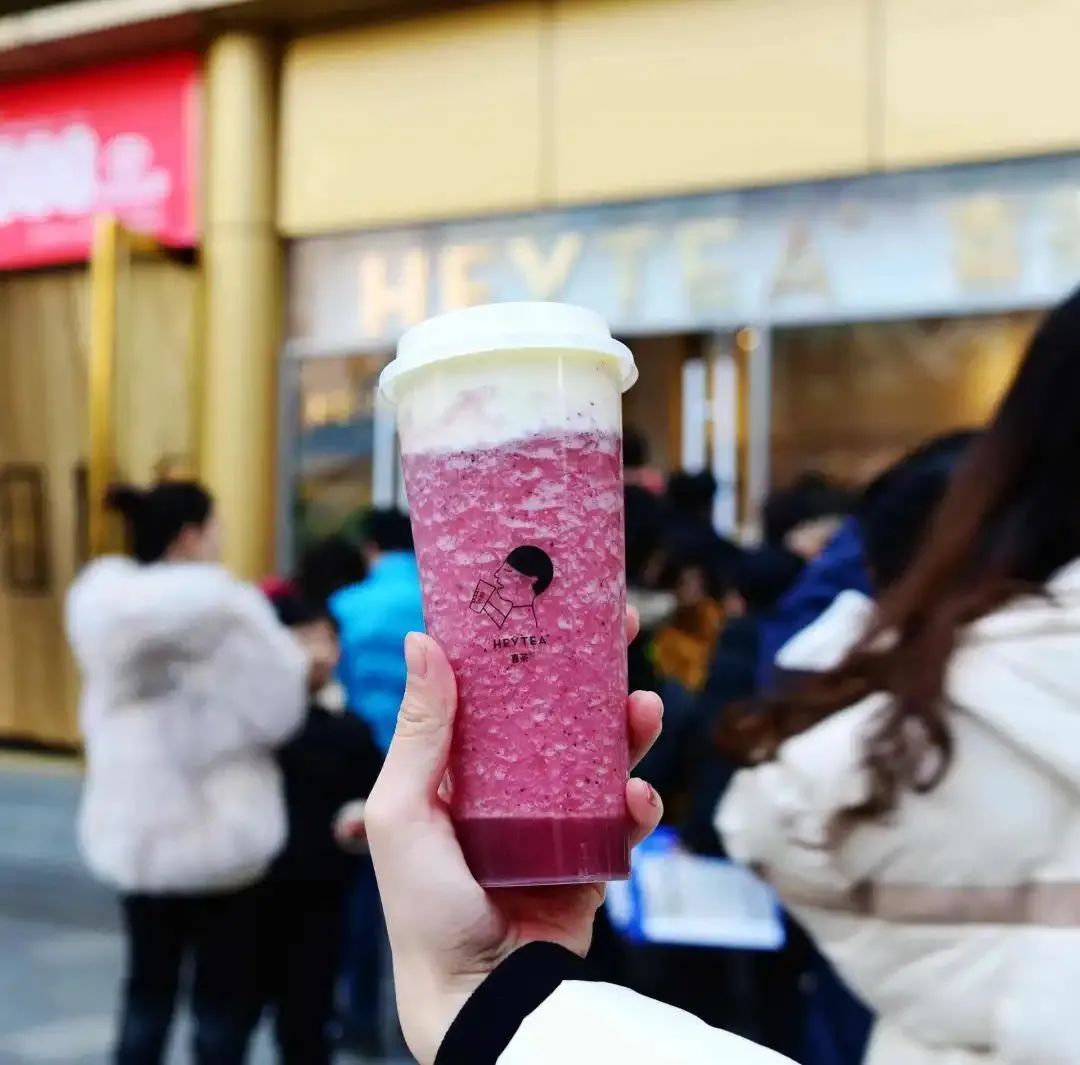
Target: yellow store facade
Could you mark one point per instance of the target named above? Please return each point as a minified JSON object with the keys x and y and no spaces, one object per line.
{"x":824,"y":226}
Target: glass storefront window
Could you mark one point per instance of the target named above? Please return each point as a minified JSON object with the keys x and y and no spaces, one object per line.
{"x":335,"y":446}
{"x":343,"y":455}
{"x":847,"y":400}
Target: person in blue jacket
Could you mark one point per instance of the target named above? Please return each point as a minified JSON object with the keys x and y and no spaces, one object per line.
{"x":373,"y":618}
{"x":840,"y":566}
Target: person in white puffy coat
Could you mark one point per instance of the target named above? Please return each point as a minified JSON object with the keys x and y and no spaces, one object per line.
{"x":189,"y":683}
{"x":917,"y":801}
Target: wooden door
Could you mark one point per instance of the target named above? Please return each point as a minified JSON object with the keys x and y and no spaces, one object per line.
{"x":47,"y":329}
{"x":143,"y":375}
{"x":43,"y":366}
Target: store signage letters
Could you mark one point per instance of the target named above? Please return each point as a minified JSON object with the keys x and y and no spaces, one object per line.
{"x":396,"y":289}
{"x":897,"y":245}
{"x":119,"y":139}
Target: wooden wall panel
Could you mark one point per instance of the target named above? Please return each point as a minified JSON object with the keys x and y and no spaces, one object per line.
{"x":42,"y":426}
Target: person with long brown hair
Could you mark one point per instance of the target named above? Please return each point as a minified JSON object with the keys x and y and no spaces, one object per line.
{"x":918,"y":805}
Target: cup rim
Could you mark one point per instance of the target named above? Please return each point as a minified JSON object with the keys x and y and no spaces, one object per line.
{"x":506,"y":327}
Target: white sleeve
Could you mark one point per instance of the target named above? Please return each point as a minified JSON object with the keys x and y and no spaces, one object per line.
{"x":586,"y":1023}
{"x":779,"y":818}
{"x":266,"y":670}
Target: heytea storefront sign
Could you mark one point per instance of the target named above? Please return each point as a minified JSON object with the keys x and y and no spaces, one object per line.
{"x":897,"y":245}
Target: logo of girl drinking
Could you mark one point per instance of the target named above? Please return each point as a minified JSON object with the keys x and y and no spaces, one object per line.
{"x":522,"y":578}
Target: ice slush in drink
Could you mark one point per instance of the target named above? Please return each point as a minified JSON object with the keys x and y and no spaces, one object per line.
{"x":510,"y":428}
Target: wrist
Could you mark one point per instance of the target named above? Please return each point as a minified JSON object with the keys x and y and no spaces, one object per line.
{"x":428,"y":1005}
{"x":486,"y":1024}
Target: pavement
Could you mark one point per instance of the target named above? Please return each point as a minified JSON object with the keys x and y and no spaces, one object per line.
{"x":62,"y":956}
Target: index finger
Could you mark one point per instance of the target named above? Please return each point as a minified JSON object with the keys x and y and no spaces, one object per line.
{"x":633,"y":623}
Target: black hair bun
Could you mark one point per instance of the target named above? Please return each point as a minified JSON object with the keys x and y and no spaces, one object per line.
{"x":124,"y":499}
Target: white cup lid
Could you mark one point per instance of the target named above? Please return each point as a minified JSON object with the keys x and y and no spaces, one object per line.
{"x":506,"y":327}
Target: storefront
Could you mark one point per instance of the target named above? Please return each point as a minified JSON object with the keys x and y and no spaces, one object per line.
{"x":117,"y":141}
{"x":827,"y":325}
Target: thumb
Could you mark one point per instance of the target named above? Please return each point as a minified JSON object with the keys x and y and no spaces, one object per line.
{"x":416,"y":761}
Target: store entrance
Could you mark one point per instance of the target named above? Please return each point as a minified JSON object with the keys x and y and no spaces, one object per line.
{"x":339,"y":454}
{"x":691,"y":409}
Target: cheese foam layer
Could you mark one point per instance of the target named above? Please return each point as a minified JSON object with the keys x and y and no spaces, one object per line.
{"x":495,"y":399}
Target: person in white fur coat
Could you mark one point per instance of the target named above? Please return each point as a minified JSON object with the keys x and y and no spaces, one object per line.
{"x":917,"y":801}
{"x":189,"y":683}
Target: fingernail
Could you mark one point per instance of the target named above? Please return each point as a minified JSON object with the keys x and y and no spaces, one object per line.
{"x":416,"y":656}
{"x":654,"y":796}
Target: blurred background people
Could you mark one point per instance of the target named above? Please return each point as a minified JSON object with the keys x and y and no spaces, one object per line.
{"x":803,"y":517}
{"x":840,"y":566}
{"x":329,"y":768}
{"x":761,"y":579}
{"x":326,"y":567}
{"x":953,"y":708}
{"x":638,"y":471}
{"x":189,"y":682}
{"x":683,"y":645}
{"x":373,"y":617}
{"x":690,"y":535}
{"x":894,"y":513}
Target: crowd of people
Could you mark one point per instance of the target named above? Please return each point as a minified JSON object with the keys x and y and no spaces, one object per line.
{"x":873,"y":708}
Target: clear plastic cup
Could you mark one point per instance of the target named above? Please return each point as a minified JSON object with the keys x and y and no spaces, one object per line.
{"x":510,"y":424}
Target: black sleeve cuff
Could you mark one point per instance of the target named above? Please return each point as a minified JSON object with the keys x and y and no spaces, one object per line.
{"x":497,"y":1008}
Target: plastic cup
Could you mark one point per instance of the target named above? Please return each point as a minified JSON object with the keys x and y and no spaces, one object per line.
{"x":511,"y":436}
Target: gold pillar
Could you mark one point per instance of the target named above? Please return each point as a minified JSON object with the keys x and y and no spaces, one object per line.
{"x":243,"y":297}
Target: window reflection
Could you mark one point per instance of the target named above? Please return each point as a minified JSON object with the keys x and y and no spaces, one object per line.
{"x":337,"y":408}
{"x":849,"y":400}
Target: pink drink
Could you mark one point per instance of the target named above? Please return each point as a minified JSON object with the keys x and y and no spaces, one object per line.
{"x":539,"y":762}
{"x":510,"y":425}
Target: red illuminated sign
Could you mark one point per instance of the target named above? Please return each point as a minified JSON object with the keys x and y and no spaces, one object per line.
{"x":121,"y":139}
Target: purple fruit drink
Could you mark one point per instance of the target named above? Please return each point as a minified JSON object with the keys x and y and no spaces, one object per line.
{"x":511,"y":447}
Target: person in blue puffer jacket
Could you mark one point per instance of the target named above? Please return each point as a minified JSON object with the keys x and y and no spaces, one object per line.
{"x":374,"y":616}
